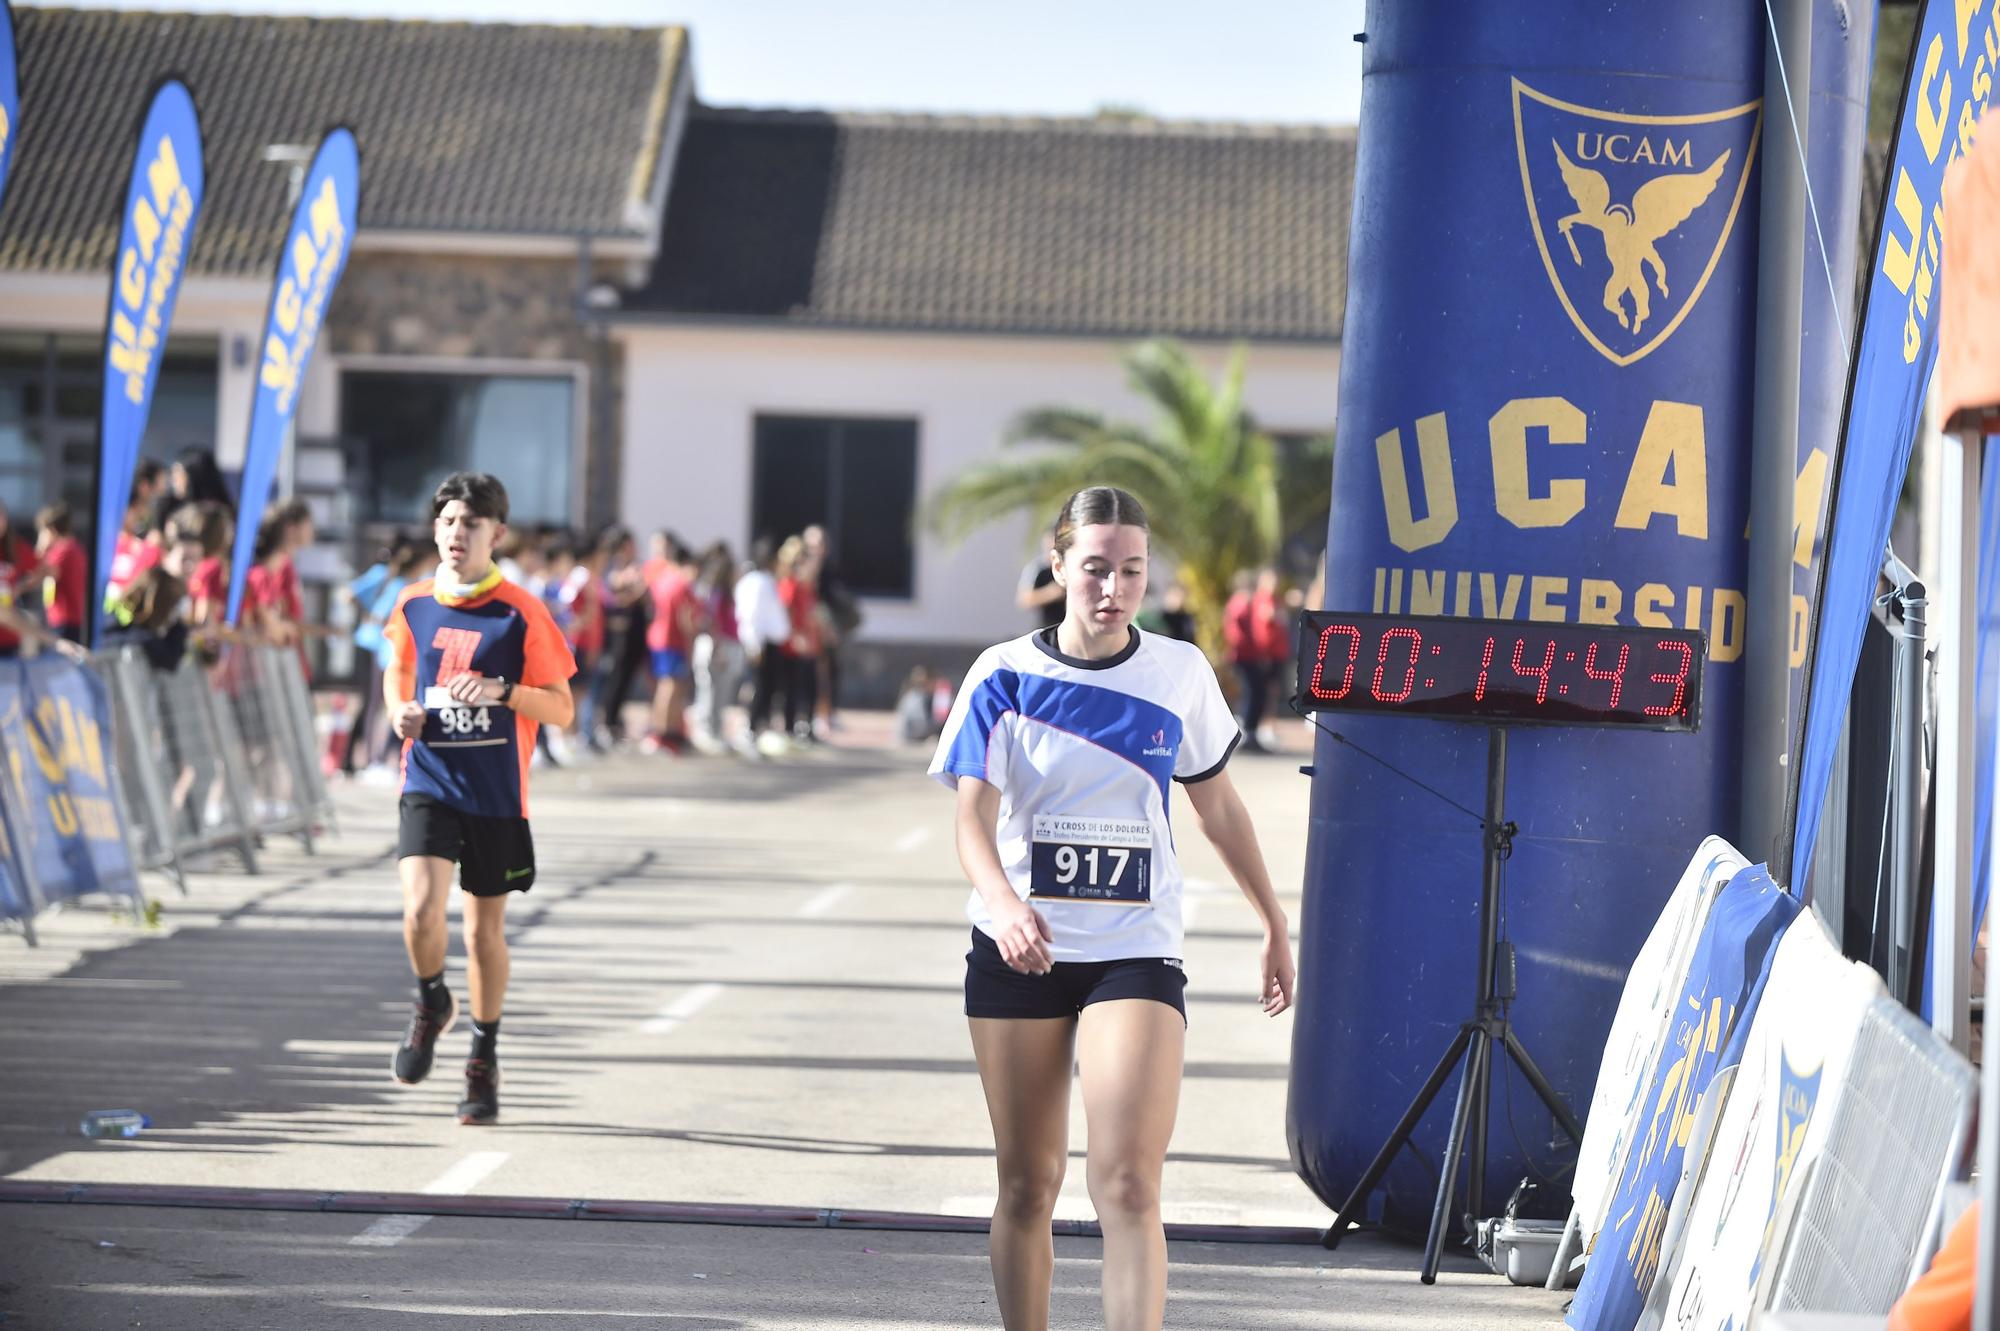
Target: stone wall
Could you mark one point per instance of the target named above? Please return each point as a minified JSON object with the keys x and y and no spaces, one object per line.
{"x":489,"y":308}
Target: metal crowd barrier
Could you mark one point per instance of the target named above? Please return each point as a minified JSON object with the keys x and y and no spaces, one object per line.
{"x":212,"y":759}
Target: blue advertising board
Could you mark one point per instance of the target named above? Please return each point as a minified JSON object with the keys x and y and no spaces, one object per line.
{"x":1949,"y":84}
{"x":62,"y":804}
{"x":315,"y":253}
{"x":1711,"y":1020}
{"x":10,"y":95}
{"x":162,"y":203}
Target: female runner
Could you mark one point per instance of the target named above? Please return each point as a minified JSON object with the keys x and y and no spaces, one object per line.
{"x":1061,"y":746}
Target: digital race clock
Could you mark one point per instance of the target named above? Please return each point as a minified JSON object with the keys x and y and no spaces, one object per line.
{"x":1501,"y":670}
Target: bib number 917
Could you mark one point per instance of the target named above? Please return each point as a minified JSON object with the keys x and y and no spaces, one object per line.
{"x":1091,"y":859}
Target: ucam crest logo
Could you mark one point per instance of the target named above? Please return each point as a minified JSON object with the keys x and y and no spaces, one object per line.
{"x":1798,"y":1095}
{"x":1631,"y":213}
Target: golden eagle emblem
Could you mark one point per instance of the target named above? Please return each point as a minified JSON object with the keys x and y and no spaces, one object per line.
{"x":1631,"y":233}
{"x":1662,"y":191}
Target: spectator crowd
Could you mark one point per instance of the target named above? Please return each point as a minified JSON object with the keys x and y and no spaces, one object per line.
{"x":689,"y":630}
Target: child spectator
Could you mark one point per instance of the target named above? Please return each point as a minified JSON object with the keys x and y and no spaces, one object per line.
{"x":64,"y":571}
{"x":915,"y":721}
{"x":138,"y":545}
{"x":798,"y":580}
{"x":718,"y":656}
{"x":371,"y":612}
{"x":151,"y":611}
{"x":586,"y":601}
{"x":208,"y":588}
{"x":670,"y":637}
{"x":17,"y":566}
{"x":762,"y":626}
{"x":272,"y":603}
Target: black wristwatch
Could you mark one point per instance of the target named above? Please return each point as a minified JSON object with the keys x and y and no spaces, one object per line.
{"x":506,"y":690}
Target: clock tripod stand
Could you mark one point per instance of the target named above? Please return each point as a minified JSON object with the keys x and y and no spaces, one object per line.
{"x":1485,"y":1036}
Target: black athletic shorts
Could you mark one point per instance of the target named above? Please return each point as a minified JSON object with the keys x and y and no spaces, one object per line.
{"x":995,"y":989}
{"x":494,"y":856}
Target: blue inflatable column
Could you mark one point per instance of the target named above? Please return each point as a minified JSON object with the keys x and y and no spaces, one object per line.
{"x":1545,"y":410}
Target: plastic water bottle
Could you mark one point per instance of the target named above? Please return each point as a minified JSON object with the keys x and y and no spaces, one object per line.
{"x":114,"y":1123}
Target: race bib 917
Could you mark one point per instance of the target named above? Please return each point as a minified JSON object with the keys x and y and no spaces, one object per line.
{"x":1091,"y":859}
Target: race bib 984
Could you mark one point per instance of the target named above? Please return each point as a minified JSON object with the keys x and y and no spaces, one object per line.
{"x":1092,"y":859}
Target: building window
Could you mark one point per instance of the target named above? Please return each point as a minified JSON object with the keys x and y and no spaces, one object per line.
{"x":414,"y":428}
{"x":49,"y":394}
{"x":855,"y":477}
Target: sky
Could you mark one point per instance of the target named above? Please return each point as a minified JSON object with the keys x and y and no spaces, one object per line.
{"x":1290,"y":61}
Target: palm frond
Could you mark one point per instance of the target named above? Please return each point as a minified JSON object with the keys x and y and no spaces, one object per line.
{"x":997,"y":490}
{"x":1305,"y":486}
{"x":1058,"y":425}
{"x":1163,"y":372}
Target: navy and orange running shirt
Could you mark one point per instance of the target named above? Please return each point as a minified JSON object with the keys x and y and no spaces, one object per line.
{"x":469,"y":757}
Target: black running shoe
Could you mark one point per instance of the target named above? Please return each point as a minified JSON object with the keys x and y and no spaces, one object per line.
{"x":482,"y":1092}
{"x":413,"y":1056}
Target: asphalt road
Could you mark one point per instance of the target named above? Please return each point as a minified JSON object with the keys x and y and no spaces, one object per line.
{"x":733,"y":983}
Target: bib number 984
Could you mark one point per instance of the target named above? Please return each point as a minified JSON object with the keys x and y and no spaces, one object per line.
{"x":464,"y":720}
{"x":1091,"y":859}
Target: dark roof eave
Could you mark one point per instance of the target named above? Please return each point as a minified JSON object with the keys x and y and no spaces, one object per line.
{"x":765,"y":323}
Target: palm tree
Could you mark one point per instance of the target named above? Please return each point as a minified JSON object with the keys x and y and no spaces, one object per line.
{"x":1222,"y":496}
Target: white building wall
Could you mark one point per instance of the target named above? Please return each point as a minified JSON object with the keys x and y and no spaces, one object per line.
{"x":691,"y":396}
{"x":228,"y":309}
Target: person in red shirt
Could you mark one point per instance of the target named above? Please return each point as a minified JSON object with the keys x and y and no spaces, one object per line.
{"x":271,"y":600}
{"x":670,"y":637}
{"x":273,"y":604}
{"x":17,"y":565}
{"x":137,"y":550}
{"x":586,"y":602}
{"x":208,"y":587}
{"x":65,"y":569}
{"x":1255,"y":632}
{"x":798,"y":579}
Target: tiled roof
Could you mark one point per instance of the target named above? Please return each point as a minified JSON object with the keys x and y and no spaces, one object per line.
{"x":1097,"y":227}
{"x":464,"y":127}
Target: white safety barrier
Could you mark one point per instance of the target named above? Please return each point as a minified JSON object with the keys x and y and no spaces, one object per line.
{"x":180,"y":762}
{"x":213,"y":758}
{"x":1639,"y":1031}
{"x":1867,"y":1215}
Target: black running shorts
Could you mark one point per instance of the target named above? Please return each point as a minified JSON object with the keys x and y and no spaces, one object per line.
{"x":494,"y":856}
{"x":995,"y":989}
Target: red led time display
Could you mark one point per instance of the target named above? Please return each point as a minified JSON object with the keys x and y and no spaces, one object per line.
{"x":1504,"y":670}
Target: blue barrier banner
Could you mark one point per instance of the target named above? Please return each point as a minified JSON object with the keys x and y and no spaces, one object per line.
{"x":10,"y":94}
{"x":315,"y":253}
{"x":15,"y":903}
{"x":162,"y":202}
{"x":1710,"y":1024}
{"x":1986,"y":709}
{"x":55,"y":730}
{"x":1949,"y":83}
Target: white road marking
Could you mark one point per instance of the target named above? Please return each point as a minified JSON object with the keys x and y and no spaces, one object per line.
{"x":824,"y":900}
{"x":461,"y":1177}
{"x":911,"y":839}
{"x":681,"y":1009}
{"x":389,"y":1231}
{"x":1070,"y":1205}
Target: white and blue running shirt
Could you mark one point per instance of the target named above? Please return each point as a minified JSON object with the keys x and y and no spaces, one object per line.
{"x":1081,"y":752}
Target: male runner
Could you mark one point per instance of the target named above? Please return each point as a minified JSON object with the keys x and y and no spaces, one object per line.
{"x":476,"y":664}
